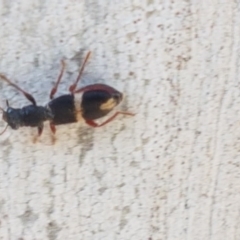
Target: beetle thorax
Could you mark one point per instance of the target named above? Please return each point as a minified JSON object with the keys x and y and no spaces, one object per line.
{"x":33,"y":116}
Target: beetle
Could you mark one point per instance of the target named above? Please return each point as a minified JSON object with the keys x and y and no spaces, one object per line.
{"x":87,"y":104}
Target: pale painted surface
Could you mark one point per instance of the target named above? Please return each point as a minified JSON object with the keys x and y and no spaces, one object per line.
{"x":171,"y":172}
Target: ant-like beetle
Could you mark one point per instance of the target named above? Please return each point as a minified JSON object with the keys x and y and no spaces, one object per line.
{"x":88,"y":103}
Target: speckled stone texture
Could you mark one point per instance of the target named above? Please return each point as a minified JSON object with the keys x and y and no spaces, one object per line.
{"x":169,"y":173}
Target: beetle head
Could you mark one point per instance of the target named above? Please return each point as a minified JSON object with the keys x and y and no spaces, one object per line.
{"x":12,"y":117}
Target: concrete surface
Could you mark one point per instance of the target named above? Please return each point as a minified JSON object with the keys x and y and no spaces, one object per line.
{"x":170,"y":172}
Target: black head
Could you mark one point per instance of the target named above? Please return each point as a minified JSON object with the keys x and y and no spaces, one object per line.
{"x":12,"y":117}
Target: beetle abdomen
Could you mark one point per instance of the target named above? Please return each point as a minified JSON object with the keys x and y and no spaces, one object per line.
{"x":98,"y":103}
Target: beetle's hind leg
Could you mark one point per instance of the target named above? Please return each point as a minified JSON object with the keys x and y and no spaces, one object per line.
{"x":73,"y":87}
{"x":55,"y":87}
{"x":94,"y":124}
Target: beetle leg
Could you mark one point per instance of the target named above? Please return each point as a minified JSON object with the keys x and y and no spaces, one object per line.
{"x":94,"y":124}
{"x":72,"y":88}
{"x":55,"y":87}
{"x":53,"y":128}
{"x":40,"y":130}
{"x":26,"y":94}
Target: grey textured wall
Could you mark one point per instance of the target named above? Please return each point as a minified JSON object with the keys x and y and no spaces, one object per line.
{"x":170,"y":172}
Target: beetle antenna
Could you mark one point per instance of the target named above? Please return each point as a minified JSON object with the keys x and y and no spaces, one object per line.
{"x":1,"y":109}
{"x":4,"y":130}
